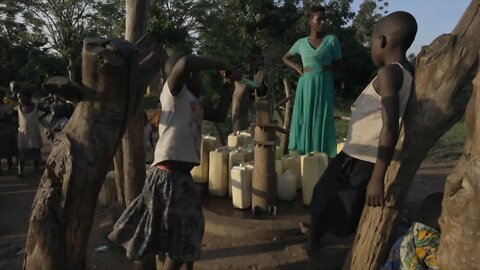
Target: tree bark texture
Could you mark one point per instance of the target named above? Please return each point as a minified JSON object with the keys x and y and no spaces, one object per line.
{"x":433,"y":108}
{"x":63,"y":207}
{"x":460,"y":220}
{"x":133,"y":143}
{"x":288,"y":115}
{"x":240,"y":107}
{"x":119,"y":181}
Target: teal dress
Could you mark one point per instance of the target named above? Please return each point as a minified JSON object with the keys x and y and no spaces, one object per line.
{"x":313,"y":127}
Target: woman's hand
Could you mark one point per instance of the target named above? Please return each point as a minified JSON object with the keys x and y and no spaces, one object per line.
{"x":231,"y":74}
{"x":299,"y":69}
{"x":375,"y":193}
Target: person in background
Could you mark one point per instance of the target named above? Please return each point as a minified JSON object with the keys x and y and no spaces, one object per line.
{"x":313,"y":126}
{"x":8,"y":141}
{"x":60,"y":114}
{"x":28,"y":137}
{"x":417,"y":249}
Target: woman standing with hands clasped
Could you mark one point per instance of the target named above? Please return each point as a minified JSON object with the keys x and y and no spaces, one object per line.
{"x":312,"y":127}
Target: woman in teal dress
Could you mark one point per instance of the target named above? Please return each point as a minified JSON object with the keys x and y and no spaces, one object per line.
{"x":313,"y":127}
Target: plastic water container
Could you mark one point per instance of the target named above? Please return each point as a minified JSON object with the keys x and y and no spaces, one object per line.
{"x":239,"y":139}
{"x":235,"y":158}
{"x":249,"y":151}
{"x":279,"y":167}
{"x":242,"y":186}
{"x":200,"y":172}
{"x":340,"y":147}
{"x":246,"y":138}
{"x":278,"y":152}
{"x":313,"y":166}
{"x":286,"y":186}
{"x":218,"y":172}
{"x":292,"y":162}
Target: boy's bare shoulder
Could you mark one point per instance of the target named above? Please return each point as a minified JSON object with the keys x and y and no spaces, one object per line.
{"x":389,"y":78}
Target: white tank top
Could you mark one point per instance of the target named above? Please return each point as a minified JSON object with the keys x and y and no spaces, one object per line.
{"x":366,"y":120}
{"x":29,"y":129}
{"x":180,"y":127}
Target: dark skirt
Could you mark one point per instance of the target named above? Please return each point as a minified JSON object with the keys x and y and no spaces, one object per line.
{"x":32,"y":154}
{"x":339,"y":196}
{"x":8,"y":145}
{"x":165,"y":218}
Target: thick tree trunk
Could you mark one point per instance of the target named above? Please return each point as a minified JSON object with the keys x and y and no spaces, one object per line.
{"x":133,"y":143}
{"x":442,"y":69}
{"x":460,"y":220}
{"x":63,"y":208}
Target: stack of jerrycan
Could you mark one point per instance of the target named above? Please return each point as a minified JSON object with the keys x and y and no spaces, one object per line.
{"x":200,"y":172}
{"x":237,"y":157}
{"x":218,"y":172}
{"x":241,"y":177}
{"x":313,"y":166}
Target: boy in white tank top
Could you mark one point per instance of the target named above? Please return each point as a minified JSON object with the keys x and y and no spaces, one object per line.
{"x":356,"y":175}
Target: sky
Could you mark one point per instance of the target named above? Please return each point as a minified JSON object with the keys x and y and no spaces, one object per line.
{"x":434,"y":17}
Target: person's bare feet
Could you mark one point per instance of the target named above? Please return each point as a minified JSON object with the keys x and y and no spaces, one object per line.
{"x":304,"y":228}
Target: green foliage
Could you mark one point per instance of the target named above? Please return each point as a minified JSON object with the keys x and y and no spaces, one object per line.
{"x":365,"y":21}
{"x":450,"y":146}
{"x":109,"y":19}
{"x":173,"y":22}
{"x":251,"y":34}
{"x":63,"y":22}
{"x":22,"y":54}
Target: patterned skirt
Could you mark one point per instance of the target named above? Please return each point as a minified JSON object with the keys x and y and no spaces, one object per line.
{"x":165,"y":218}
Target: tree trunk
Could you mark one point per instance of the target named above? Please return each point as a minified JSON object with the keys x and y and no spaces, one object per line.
{"x":119,"y":181}
{"x":154,"y":88}
{"x":133,"y":143}
{"x":71,"y":69}
{"x":459,"y":222}
{"x":63,"y":208}
{"x":239,"y":110}
{"x":288,"y":115}
{"x":442,"y":69}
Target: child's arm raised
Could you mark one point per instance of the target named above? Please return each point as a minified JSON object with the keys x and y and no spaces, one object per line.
{"x":219,"y":114}
{"x":191,"y":63}
{"x":388,"y":83}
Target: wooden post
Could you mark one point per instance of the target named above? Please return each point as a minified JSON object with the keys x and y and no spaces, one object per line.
{"x":133,"y":143}
{"x":239,"y":110}
{"x":442,"y":69}
{"x":288,"y":114}
{"x":64,"y":205}
{"x":119,"y":180}
{"x":460,"y":220}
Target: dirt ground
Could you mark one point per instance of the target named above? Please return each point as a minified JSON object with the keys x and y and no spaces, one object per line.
{"x":16,"y":196}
